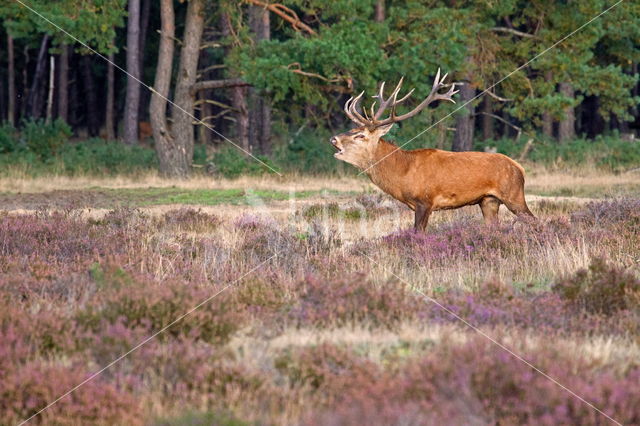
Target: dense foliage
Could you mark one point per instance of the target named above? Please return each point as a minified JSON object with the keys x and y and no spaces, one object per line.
{"x":543,"y":62}
{"x":482,"y":42}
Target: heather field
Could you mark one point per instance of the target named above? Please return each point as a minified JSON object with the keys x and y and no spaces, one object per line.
{"x":309,"y":301}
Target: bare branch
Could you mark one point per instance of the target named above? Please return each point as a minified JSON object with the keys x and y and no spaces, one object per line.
{"x":496,"y":97}
{"x":213,"y":102}
{"x":210,"y":68}
{"x":218,"y":84}
{"x":285,"y":13}
{"x":497,"y":117}
{"x":526,"y":150}
{"x":512,"y":31}
{"x":296,"y":68}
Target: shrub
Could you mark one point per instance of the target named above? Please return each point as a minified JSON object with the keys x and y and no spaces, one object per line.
{"x":100,"y":156}
{"x":326,"y":367}
{"x":189,"y":219}
{"x":152,"y":307}
{"x":93,"y":156}
{"x":45,"y":139}
{"x":308,"y":151}
{"x":601,"y":289}
{"x":624,"y":212}
{"x":230,"y":162}
{"x":332,"y":210}
{"x":474,"y":382}
{"x":194,"y":418}
{"x":464,"y":239}
{"x":8,"y":139}
{"x":610,"y":153}
{"x":352,"y":300}
{"x":32,"y":386}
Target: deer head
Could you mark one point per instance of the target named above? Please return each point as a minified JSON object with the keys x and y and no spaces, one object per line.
{"x":358,"y":146}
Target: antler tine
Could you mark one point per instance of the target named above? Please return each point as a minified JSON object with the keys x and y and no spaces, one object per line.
{"x":438,"y":84}
{"x":371,"y":108}
{"x":391,"y":101}
{"x":371,"y":119}
{"x":447,"y":96}
{"x":359,"y":119}
{"x":346,"y":105}
{"x":406,"y":96}
{"x":383,"y":102}
{"x":350,"y":111}
{"x":366,"y":115}
{"x":346,"y":108}
{"x":395,"y":92}
{"x":380,"y":94}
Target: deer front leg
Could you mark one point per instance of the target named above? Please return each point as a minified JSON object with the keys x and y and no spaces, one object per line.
{"x":422,"y":212}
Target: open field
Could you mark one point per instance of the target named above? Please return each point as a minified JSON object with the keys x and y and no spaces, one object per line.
{"x":321,"y":305}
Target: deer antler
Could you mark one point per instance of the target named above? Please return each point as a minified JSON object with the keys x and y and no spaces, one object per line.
{"x":373,"y":121}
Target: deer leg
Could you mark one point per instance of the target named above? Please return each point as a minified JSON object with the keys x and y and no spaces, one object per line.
{"x":519,"y":206}
{"x":422,"y":212}
{"x":490,"y":207}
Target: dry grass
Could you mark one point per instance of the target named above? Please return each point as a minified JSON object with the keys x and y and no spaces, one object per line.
{"x":377,"y":343}
{"x":314,"y":295}
{"x":25,"y":184}
{"x":537,"y":178}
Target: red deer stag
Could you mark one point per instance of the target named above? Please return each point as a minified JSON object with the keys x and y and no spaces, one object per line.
{"x":427,"y":180}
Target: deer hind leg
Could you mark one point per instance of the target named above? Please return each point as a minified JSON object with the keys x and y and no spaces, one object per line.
{"x":422,"y":212}
{"x":490,"y":206}
{"x":518,"y":206}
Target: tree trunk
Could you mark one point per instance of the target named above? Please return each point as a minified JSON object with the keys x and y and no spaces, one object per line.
{"x":380,"y":11}
{"x":171,"y":154}
{"x":34,"y":104}
{"x":109,"y":121}
{"x":205,"y":109}
{"x":52,"y":74}
{"x":25,"y":82}
{"x":133,"y":77}
{"x":238,"y":97}
{"x":3,"y":105}
{"x":260,"y":107}
{"x":164,"y":143}
{"x":487,"y":120}
{"x":567,"y":127}
{"x":144,"y":28}
{"x":75,"y":78}
{"x":265,"y":136}
{"x":239,"y":102}
{"x":12,"y":81}
{"x":463,"y":138}
{"x":635,"y":111}
{"x":182,"y":111}
{"x":91,"y":98}
{"x":63,"y":83}
{"x":547,"y":120}
{"x":592,"y":122}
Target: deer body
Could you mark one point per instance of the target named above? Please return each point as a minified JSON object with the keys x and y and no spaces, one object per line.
{"x":428,"y":180}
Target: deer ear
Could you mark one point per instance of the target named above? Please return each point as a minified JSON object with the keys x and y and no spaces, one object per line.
{"x":383,"y":130}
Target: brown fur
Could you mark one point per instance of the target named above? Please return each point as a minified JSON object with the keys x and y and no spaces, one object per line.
{"x":428,"y":180}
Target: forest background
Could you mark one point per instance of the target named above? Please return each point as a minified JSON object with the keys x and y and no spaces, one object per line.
{"x":273,"y":77}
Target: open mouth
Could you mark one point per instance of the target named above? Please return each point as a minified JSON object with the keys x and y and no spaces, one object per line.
{"x":336,"y":147}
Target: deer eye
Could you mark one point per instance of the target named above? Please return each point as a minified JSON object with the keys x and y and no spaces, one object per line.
{"x":359,"y":136}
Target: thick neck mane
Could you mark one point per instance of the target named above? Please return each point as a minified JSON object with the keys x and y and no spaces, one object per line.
{"x":388,"y":161}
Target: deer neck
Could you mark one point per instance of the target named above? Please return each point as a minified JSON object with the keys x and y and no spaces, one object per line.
{"x":387,"y":163}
